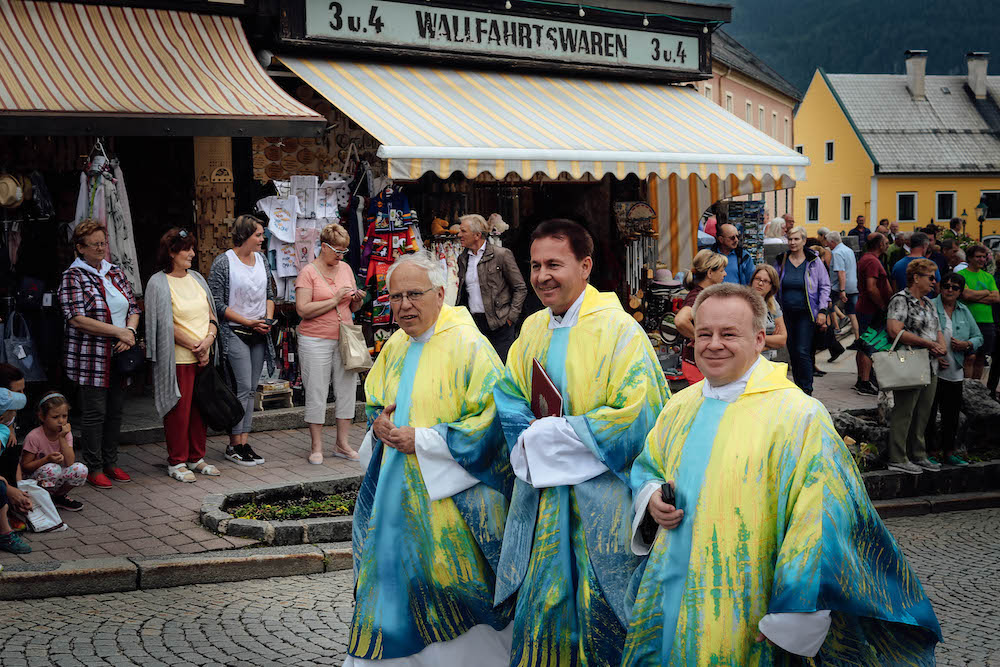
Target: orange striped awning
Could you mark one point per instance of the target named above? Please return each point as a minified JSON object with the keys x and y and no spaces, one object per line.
{"x":69,"y":68}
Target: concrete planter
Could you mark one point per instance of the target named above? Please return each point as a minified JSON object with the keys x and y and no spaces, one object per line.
{"x":215,"y":515}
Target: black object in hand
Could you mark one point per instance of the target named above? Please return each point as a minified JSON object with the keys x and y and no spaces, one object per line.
{"x":667,"y":493}
{"x":648,"y":525}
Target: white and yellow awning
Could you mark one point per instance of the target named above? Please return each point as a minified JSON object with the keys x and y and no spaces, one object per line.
{"x":431,"y":119}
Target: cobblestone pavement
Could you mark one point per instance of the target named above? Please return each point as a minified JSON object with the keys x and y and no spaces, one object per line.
{"x":156,"y":515}
{"x":304,"y":620}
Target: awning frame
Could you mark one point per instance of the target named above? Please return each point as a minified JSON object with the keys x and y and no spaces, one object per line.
{"x":61,"y":125}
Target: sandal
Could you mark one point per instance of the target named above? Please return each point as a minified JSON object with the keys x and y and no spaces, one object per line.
{"x":316,"y":458}
{"x":350,"y":455}
{"x":204,"y":468}
{"x":180,"y":472}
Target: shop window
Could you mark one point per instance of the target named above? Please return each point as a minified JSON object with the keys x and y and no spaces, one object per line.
{"x":729,"y":102}
{"x":845,"y":208}
{"x":749,"y":113}
{"x":760,"y":119}
{"x":992,"y":200}
{"x":829,"y":151}
{"x":708,"y":91}
{"x":906,"y":206}
{"x":812,"y":209}
{"x":945,"y":205}
{"x":774,"y":124}
{"x":788,"y":132}
{"x":800,"y":150}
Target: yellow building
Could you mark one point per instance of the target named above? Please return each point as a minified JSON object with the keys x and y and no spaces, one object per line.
{"x":911,"y":148}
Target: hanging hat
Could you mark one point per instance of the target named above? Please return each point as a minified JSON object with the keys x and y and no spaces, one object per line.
{"x":10,"y":400}
{"x":11,"y":194}
{"x":665,"y":278}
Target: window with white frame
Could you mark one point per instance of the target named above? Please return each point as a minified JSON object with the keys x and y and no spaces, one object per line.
{"x":992,"y":200}
{"x":708,"y":91}
{"x":749,"y":113}
{"x":812,"y":209}
{"x":845,"y":208}
{"x":729,"y":102}
{"x":800,"y":149}
{"x":774,"y":124}
{"x":906,"y":206}
{"x":760,"y":119}
{"x":788,"y":131}
{"x":829,"y":151}
{"x":945,"y":206}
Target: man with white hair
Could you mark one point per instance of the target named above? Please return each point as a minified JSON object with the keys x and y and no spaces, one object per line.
{"x":844,"y":283}
{"x":430,"y":512}
{"x":771,"y":546}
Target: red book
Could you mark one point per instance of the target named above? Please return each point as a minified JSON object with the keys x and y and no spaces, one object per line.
{"x":546,"y":401}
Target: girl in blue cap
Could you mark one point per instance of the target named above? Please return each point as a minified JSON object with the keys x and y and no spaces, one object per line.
{"x":10,"y":403}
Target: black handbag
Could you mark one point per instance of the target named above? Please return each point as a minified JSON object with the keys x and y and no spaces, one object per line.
{"x":131,"y":361}
{"x":218,"y":405}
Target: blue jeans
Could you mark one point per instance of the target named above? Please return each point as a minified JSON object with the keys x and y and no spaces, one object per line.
{"x":246,"y":363}
{"x":800,"y":335}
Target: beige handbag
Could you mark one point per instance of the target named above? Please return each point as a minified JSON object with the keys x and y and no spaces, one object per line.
{"x":353,"y":348}
{"x":903,"y":368}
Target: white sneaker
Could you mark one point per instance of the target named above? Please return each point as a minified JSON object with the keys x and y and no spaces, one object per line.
{"x":927,"y":464}
{"x":906,"y":467}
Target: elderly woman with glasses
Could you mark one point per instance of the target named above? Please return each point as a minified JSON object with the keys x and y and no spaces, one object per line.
{"x":765,"y":283}
{"x":327,"y":294}
{"x":913,"y":317}
{"x":101,"y":319}
{"x":961,"y":336}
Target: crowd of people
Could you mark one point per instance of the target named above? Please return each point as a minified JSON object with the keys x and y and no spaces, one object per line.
{"x":921,"y":286}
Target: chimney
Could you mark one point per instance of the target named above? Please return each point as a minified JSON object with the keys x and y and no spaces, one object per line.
{"x":977,"y":62}
{"x":916,"y":64}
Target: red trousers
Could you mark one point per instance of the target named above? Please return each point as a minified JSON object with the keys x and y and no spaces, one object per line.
{"x":184,"y":428}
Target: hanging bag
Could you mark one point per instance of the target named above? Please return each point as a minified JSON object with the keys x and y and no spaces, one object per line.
{"x":903,"y":368}
{"x":19,"y":348}
{"x":218,"y":405}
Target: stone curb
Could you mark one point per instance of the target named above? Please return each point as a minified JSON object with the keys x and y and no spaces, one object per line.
{"x":955,"y":502}
{"x":114,"y":575}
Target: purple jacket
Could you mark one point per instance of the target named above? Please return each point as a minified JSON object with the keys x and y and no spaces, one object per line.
{"x":817,"y":281}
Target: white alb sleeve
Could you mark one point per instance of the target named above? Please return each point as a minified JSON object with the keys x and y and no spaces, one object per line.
{"x":443,"y":475}
{"x":555,"y":456}
{"x":639,"y":547}
{"x":801,"y":633}
{"x":365,"y":453}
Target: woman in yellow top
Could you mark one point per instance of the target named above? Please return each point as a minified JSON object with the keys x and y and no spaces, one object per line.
{"x":181,"y":328}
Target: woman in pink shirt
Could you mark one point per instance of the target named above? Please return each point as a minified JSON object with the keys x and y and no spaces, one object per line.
{"x":326,"y":294}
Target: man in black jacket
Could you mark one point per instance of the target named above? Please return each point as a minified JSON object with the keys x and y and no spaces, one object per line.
{"x":489,"y":284}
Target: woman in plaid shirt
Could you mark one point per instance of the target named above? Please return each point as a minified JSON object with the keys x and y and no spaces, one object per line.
{"x":101,"y":319}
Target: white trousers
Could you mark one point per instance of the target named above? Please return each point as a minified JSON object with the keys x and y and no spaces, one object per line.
{"x":319,"y":359}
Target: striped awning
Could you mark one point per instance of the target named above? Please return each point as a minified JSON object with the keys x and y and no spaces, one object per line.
{"x":90,"y":69}
{"x":445,"y":120}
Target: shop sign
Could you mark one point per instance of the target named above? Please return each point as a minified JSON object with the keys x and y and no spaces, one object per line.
{"x":410,"y":25}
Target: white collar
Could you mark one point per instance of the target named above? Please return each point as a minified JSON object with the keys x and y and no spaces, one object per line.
{"x":482,"y":249}
{"x":571,"y":317}
{"x":425,"y":336}
{"x":105,"y":267}
{"x":731,"y":391}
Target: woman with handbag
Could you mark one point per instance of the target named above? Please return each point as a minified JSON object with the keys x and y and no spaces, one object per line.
{"x":101,"y":319}
{"x":241,"y":283}
{"x":913,"y":317}
{"x":181,"y":328}
{"x":962,"y":336}
{"x":326,"y":296}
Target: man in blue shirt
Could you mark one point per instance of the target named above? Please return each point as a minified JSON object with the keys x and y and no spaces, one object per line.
{"x":843,"y":278}
{"x":861,"y":231}
{"x":739,"y":270}
{"x":918,"y":247}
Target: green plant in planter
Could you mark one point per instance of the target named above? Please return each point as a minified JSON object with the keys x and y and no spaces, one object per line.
{"x":303,"y":508}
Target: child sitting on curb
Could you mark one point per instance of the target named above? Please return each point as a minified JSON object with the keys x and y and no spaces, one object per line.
{"x":48,"y":456}
{"x":11,"y":497}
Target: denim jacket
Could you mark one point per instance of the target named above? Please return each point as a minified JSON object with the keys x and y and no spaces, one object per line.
{"x":963,"y":326}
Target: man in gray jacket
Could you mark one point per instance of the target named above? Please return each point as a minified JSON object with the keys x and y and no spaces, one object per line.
{"x":489,"y":284}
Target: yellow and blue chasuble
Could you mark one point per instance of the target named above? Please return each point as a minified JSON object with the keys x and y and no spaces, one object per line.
{"x":776,"y":520}
{"x":424,"y":570}
{"x":567,"y":549}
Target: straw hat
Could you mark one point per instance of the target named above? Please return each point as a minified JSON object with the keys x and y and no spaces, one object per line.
{"x":11,"y":194}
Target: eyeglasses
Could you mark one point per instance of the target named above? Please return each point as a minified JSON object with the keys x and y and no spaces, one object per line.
{"x":97,"y":246}
{"x":950,"y":287}
{"x":183,"y":234}
{"x":410,"y":296}
{"x":762,"y":281}
{"x":336,"y":250}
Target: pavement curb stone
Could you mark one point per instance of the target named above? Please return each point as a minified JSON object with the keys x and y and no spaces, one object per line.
{"x":72,"y":577}
{"x":234,"y":565}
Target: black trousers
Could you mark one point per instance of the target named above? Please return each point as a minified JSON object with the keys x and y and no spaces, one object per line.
{"x":100,"y":413}
{"x":947,"y":398}
{"x":501,"y":338}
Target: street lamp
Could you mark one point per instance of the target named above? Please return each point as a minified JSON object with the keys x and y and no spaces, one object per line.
{"x":981,"y":209}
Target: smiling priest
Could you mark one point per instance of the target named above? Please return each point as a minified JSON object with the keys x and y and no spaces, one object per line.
{"x":432,"y":506}
{"x":772,"y":551}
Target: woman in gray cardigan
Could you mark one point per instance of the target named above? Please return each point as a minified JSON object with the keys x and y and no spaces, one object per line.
{"x":241,"y":284}
{"x":181,"y":328}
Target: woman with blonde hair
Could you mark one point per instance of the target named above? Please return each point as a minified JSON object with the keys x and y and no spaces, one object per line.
{"x":707,"y":269}
{"x":326,"y":294}
{"x":765,"y":283}
{"x":774,"y":232}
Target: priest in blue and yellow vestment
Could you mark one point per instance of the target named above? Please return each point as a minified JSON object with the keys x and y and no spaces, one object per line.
{"x":431,"y":510}
{"x":566,"y":545}
{"x":772,"y":552}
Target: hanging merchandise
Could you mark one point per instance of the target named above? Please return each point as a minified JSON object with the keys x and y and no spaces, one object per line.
{"x":390,"y":210}
{"x":282,"y":213}
{"x":307,"y":239}
{"x":332,"y":196}
{"x":19,"y":348}
{"x":305,"y":189}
